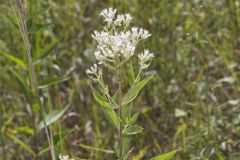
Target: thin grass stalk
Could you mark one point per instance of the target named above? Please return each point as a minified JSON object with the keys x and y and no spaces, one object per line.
{"x":2,"y":137}
{"x":33,"y":78}
{"x":30,"y":69}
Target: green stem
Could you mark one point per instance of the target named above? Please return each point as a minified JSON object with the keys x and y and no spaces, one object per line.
{"x":120,"y":115}
{"x":138,"y":76}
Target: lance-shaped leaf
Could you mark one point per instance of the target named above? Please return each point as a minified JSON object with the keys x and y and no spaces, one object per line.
{"x":166,"y":156}
{"x":132,"y":129}
{"x":18,"y":61}
{"x":21,"y":82}
{"x":53,"y":116}
{"x":100,"y":99}
{"x":35,"y":13}
{"x":51,"y":81}
{"x":135,"y":89}
{"x":133,"y":119}
{"x":107,"y":109}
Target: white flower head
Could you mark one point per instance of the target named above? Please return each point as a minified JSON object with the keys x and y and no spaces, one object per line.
{"x":123,"y":19}
{"x":108,"y":15}
{"x":63,"y":157}
{"x":145,"y":58}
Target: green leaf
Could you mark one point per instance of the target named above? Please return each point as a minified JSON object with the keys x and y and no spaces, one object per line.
{"x":133,"y":119}
{"x":126,"y":112}
{"x":39,"y":27}
{"x":53,"y":116}
{"x":132,"y":129}
{"x":135,"y":89}
{"x":25,"y":129}
{"x":22,"y":144}
{"x":47,"y":50}
{"x":51,"y":81}
{"x":14,"y":59}
{"x":166,"y":156}
{"x":11,"y":21}
{"x":21,"y":82}
{"x":100,"y":99}
{"x":107,"y":109}
{"x":112,"y":117}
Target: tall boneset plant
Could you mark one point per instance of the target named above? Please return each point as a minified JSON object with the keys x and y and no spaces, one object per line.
{"x":116,"y":51}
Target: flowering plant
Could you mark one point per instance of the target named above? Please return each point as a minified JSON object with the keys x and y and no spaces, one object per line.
{"x":116,"y":49}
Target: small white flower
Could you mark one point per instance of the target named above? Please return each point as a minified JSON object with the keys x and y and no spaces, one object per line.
{"x":124,"y":19}
{"x":119,"y":20}
{"x":63,"y":157}
{"x":144,"y":34}
{"x":144,"y":58}
{"x":101,"y":37}
{"x":108,"y":15}
{"x":128,"y":19}
{"x":92,"y":70}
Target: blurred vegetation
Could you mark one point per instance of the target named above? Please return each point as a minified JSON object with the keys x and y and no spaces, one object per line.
{"x":193,"y":103}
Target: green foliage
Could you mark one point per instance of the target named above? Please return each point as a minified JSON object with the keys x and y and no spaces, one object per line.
{"x":166,"y":156}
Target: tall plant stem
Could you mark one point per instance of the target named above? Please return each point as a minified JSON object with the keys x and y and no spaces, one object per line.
{"x":33,"y":78}
{"x":120,"y":115}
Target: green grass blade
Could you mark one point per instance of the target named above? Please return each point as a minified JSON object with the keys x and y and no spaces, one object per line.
{"x":22,"y":144}
{"x":51,"y":81}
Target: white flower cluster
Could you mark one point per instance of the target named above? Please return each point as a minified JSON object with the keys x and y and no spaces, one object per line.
{"x":113,"y":43}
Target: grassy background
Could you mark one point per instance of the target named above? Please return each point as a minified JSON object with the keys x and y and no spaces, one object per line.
{"x":191,"y":105}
